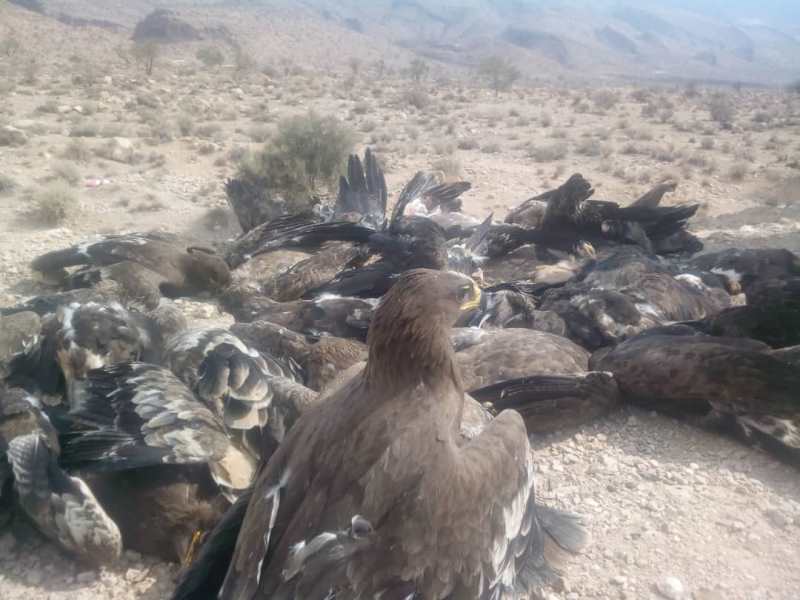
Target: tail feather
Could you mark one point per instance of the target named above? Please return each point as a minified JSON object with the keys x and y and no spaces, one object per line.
{"x":565,"y":529}
{"x":552,"y":402}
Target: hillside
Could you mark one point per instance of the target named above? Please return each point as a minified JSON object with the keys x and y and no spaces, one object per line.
{"x":551,"y":40}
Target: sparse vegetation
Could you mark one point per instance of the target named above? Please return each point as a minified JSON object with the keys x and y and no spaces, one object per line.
{"x":306,"y":153}
{"x":418,"y":70}
{"x":146,"y":53}
{"x":210,"y":56}
{"x":498,"y":73}
{"x":548,"y":152}
{"x":7,"y":185}
{"x":67,"y":172}
{"x":738,"y":171}
{"x":52,"y":205}
{"x":722,"y":110}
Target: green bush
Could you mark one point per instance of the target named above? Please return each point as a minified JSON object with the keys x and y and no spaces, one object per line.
{"x":498,"y":73}
{"x":306,"y":153}
{"x":210,"y":56}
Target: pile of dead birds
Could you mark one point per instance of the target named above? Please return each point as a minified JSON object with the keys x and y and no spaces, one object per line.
{"x":362,"y":430}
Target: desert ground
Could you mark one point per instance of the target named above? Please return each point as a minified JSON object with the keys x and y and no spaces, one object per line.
{"x":91,"y":144}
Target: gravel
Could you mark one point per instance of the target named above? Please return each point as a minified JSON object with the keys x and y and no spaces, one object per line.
{"x":673,"y":512}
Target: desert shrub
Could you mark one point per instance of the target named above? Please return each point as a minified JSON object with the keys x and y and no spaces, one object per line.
{"x":52,"y":205}
{"x":451,"y":167}
{"x":721,"y":109}
{"x":649,"y":110}
{"x":605,"y":99}
{"x":86,"y":129}
{"x":11,"y":136}
{"x":9,"y":45}
{"x":548,"y":152}
{"x":491,"y":148}
{"x":663,"y":153}
{"x":443,"y":147}
{"x":259,"y":133}
{"x":545,"y":120}
{"x":146,"y":53}
{"x":210,"y":56}
{"x":467,"y":144}
{"x":7,"y":185}
{"x":707,"y":143}
{"x":640,"y":96}
{"x":415,"y":97}
{"x":185,"y":124}
{"x":498,"y":73}
{"x":77,"y":150}
{"x":590,"y":147}
{"x":49,"y":107}
{"x":306,"y":152}
{"x":738,"y":171}
{"x":361,"y":108}
{"x":418,"y":70}
{"x":66,"y":171}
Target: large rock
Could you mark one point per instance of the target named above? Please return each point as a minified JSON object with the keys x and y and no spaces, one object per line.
{"x":120,"y":150}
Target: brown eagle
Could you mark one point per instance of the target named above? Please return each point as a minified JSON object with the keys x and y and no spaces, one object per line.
{"x":375,"y":493}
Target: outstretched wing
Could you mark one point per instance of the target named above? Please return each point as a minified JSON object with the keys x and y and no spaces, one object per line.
{"x":134,"y":415}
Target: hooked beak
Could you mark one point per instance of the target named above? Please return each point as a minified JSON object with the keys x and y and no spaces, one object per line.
{"x":194,"y":546}
{"x":474,"y":300}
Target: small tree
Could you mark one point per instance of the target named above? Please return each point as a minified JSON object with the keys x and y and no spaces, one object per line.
{"x":306,"y":153}
{"x":243,"y":62}
{"x":379,"y":68}
{"x":355,"y":66}
{"x":795,"y":87}
{"x":498,"y":73}
{"x":418,"y":70}
{"x":722,"y":110}
{"x":9,"y":46}
{"x":146,"y":54}
{"x":210,"y":56}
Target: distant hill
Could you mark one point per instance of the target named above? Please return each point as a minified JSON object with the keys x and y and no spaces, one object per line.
{"x":600,"y":40}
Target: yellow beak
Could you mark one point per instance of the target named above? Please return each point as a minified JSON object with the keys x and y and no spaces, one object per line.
{"x":474,"y":301}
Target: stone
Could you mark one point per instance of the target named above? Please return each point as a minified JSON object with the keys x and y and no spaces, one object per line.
{"x":11,"y":136}
{"x":85,"y":577}
{"x":671,"y":588}
{"x":120,"y":150}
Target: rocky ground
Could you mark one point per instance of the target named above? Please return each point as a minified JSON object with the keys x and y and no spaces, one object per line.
{"x":674,"y":512}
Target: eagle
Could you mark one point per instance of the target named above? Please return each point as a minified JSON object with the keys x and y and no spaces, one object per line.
{"x":375,"y":492}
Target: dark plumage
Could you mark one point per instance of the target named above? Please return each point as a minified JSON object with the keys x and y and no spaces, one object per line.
{"x":749,"y":268}
{"x":155,"y":454}
{"x":363,"y":191}
{"x":736,"y":382}
{"x":145,"y":265}
{"x":552,"y":402}
{"x":61,"y":506}
{"x":568,"y":213}
{"x":499,"y":354}
{"x":394,"y":459}
{"x":321,"y":358}
{"x":626,"y":293}
{"x":341,"y":317}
